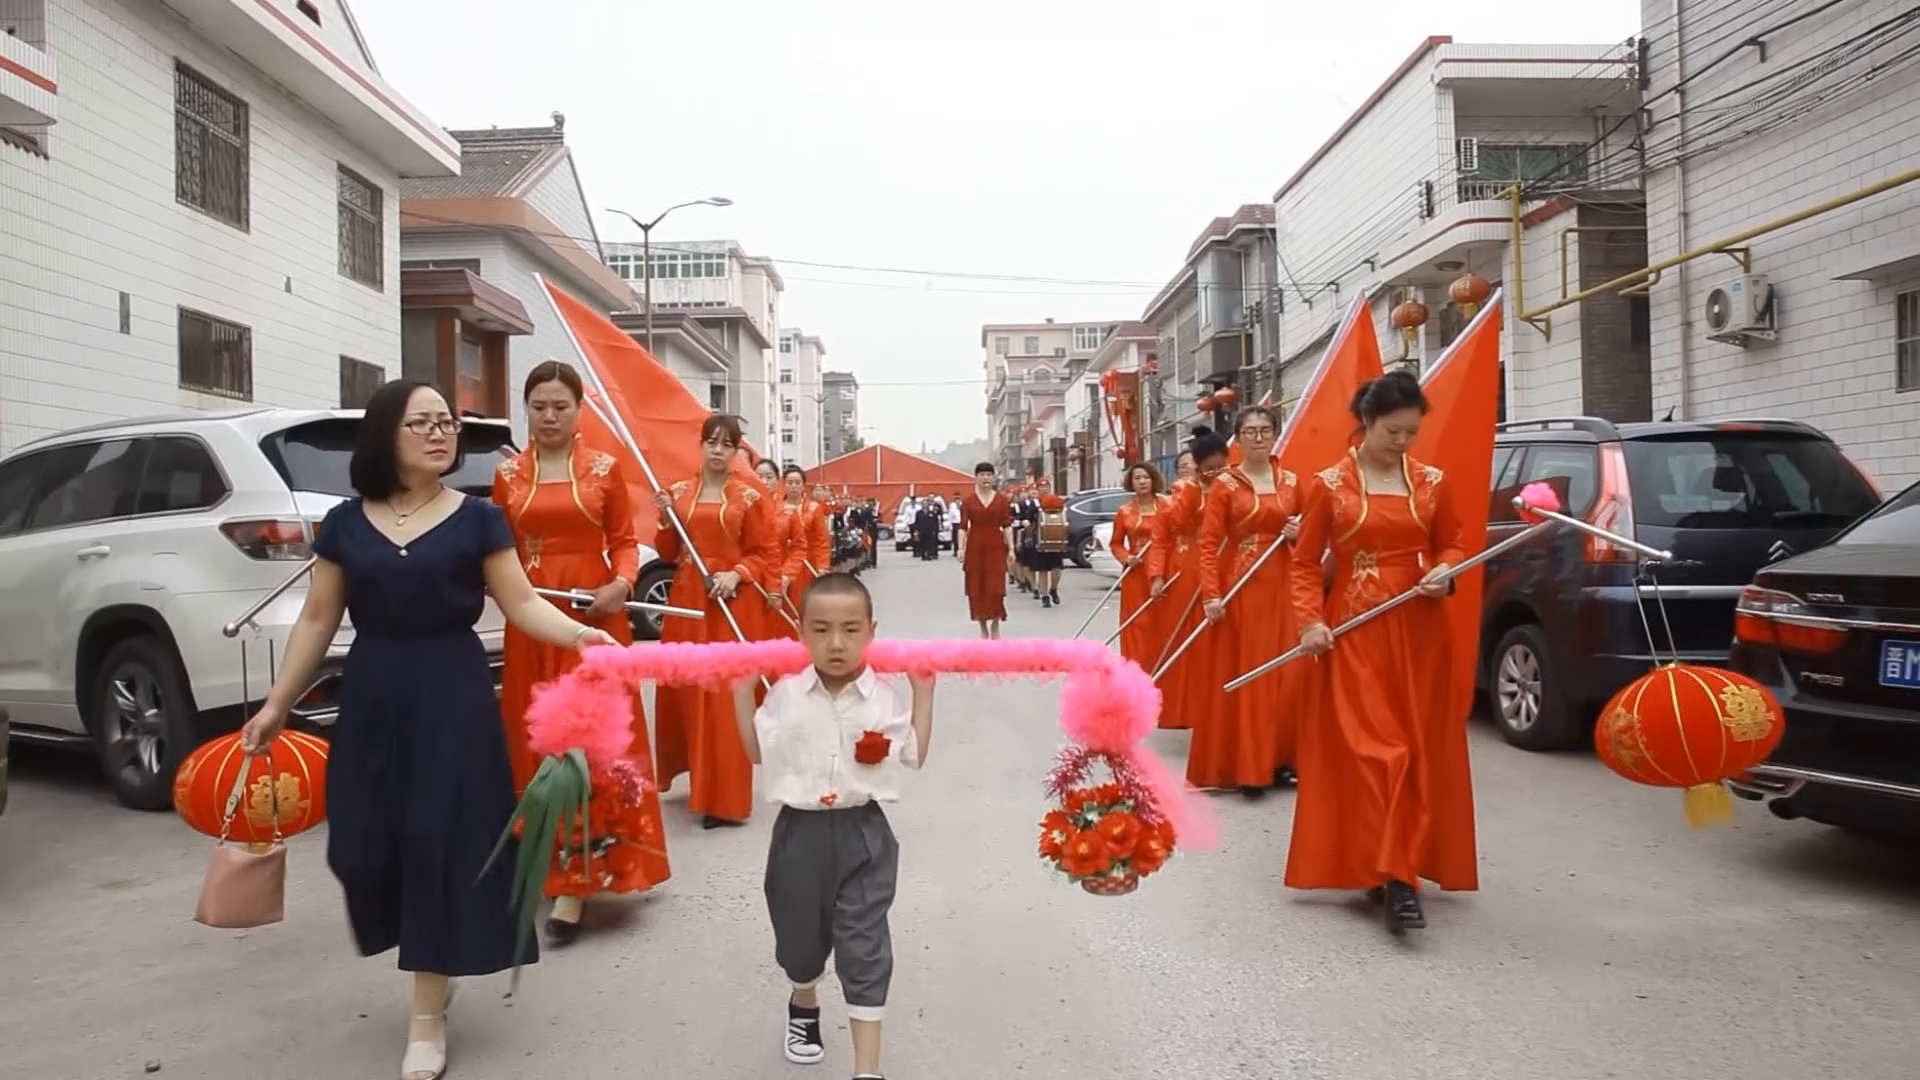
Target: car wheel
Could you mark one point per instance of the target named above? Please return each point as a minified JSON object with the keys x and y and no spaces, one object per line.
{"x":1083,"y":552}
{"x":655,"y":585}
{"x":1526,"y":697}
{"x":143,"y":721}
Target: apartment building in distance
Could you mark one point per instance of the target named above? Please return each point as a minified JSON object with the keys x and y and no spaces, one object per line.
{"x":839,"y":414}
{"x":714,"y":289}
{"x":197,"y":201}
{"x":1028,"y":367}
{"x":801,"y":403}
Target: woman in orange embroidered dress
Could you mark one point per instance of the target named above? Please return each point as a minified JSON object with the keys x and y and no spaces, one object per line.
{"x":1133,"y":532}
{"x":573,"y":522}
{"x":726,"y":518}
{"x":1386,"y":794}
{"x":809,"y":542}
{"x":774,"y":620}
{"x":1191,"y":688}
{"x":1251,"y":745}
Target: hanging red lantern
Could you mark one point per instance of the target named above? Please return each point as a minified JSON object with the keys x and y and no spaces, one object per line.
{"x":1691,"y":727}
{"x":1470,"y":290}
{"x":1408,"y":317}
{"x":1226,"y":396}
{"x":288,"y":782}
{"x":1206,"y":403}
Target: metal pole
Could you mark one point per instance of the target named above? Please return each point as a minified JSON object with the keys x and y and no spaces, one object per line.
{"x":581,"y":598}
{"x":1111,"y":589}
{"x":1227,"y":599}
{"x":646,"y":281}
{"x":1142,"y":609}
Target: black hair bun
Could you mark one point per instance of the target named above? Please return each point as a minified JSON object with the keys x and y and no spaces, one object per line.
{"x":1201,"y":431}
{"x":1397,"y":389}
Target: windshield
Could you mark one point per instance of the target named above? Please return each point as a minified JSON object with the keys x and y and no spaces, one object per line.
{"x":1896,"y":522}
{"x":314,"y":456}
{"x":1744,"y":480}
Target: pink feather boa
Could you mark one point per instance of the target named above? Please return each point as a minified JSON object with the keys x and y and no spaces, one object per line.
{"x":1108,"y":704}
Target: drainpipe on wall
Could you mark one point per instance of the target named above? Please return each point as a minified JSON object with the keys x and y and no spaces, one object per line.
{"x":1683,"y":407}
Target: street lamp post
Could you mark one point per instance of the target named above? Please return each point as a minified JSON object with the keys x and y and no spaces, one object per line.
{"x":646,"y":252}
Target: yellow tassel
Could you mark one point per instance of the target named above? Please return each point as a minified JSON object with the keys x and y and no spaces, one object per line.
{"x":1708,"y":804}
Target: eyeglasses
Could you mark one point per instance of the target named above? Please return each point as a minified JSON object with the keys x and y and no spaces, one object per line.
{"x":1262,"y":432}
{"x":424,"y":427}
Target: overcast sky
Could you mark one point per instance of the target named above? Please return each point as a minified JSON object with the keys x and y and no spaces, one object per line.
{"x":993,"y":140}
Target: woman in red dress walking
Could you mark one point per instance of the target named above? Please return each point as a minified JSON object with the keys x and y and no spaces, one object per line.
{"x":774,"y":620}
{"x":1249,"y":745}
{"x":809,"y":541}
{"x":1191,"y":688}
{"x":1133,"y":528}
{"x":726,"y":517}
{"x":1386,"y":793}
{"x":573,"y":523}
{"x":985,"y":516}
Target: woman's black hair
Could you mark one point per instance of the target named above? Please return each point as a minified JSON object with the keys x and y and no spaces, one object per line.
{"x":793,"y":469}
{"x":983,"y":467}
{"x":1206,"y":443}
{"x":374,"y":469}
{"x":1153,"y":474}
{"x":1252,"y":411}
{"x":1396,"y":390}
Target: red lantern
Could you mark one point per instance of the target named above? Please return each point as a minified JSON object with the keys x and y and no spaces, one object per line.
{"x":290,"y":777}
{"x":1226,"y":396}
{"x":1409,"y":315}
{"x":1206,"y":403}
{"x":1692,"y":727}
{"x":1470,"y":291}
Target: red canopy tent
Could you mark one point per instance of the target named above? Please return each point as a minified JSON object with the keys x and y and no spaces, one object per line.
{"x":889,"y":476}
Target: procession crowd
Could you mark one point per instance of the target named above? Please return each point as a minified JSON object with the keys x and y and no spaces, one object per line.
{"x":425,"y":766}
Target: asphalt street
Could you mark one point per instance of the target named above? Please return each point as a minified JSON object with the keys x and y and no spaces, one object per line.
{"x":1609,"y":940}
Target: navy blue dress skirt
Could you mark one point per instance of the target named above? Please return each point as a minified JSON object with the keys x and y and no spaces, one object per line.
{"x":418,"y":782}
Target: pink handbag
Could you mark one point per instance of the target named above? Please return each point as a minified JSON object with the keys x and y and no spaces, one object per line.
{"x":245,"y":884}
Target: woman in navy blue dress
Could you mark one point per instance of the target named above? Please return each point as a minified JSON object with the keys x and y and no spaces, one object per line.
{"x":419,"y":785}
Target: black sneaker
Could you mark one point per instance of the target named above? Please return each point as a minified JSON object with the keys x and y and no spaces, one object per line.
{"x":803,"y":1046}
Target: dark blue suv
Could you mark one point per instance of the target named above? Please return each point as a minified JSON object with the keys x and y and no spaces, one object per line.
{"x":1567,"y":618}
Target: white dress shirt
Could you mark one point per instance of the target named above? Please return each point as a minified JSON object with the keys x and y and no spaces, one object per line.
{"x":807,"y":738}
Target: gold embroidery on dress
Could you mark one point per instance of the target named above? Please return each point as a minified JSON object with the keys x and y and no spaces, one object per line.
{"x":600,"y":464}
{"x":748,"y":495}
{"x":1432,"y":473}
{"x":1745,"y":714}
{"x":1331,"y":478}
{"x":535,"y":545}
{"x":509,"y":468}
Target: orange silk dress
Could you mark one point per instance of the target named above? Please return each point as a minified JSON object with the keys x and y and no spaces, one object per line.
{"x":577,"y":532}
{"x":694,"y":727}
{"x":1133,"y":530}
{"x":1191,"y":687}
{"x":782,"y":621}
{"x":809,"y":549}
{"x":983,"y":562}
{"x":1386,"y":792}
{"x":1243,"y":745}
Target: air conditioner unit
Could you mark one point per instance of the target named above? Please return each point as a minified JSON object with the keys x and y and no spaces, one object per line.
{"x":1740,"y":311}
{"x":1467,"y":154}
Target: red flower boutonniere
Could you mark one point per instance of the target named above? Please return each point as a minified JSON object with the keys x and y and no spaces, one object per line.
{"x":829,"y":799}
{"x":872,"y":749}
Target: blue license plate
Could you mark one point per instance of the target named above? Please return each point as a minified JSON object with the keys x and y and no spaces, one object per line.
{"x":1900,"y":664}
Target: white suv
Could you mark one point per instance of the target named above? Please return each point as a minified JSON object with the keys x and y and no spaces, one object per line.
{"x":127,"y":547}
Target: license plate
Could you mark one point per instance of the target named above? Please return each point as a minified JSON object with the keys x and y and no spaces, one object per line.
{"x":1900,"y":664}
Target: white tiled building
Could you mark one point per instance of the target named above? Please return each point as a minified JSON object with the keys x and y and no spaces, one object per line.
{"x":1846,"y":283}
{"x":197,"y":206}
{"x":801,"y":402}
{"x":735,"y":298}
{"x":1406,"y":197}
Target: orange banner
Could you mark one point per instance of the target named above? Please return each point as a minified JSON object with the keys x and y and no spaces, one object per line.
{"x":1321,"y":427}
{"x":627,"y":387}
{"x":1463,"y":387}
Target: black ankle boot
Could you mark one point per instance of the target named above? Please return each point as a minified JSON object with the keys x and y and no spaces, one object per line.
{"x":1284,"y":776}
{"x":1403,"y":910}
{"x":1250,"y":792}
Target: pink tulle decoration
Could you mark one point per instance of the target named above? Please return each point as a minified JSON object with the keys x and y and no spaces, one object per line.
{"x":1538,"y":495}
{"x":1108,"y":703}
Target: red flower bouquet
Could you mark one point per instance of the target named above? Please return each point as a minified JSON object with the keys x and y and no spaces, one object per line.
{"x":872,"y":749}
{"x":1104,"y":837}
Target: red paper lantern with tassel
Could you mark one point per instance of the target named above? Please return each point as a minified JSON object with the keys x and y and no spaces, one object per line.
{"x":1692,"y":727}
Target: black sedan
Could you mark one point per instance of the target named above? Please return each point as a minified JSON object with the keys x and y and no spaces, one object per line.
{"x":1835,"y":633}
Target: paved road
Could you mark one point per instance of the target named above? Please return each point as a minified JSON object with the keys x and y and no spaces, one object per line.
{"x":1610,"y":941}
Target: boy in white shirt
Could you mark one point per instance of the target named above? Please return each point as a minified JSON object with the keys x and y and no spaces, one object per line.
{"x":832,"y":742}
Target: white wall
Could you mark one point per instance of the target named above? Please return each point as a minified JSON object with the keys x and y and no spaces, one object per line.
{"x":1834,"y":363}
{"x":511,"y":265}
{"x":99,"y":217}
{"x":558,"y":197}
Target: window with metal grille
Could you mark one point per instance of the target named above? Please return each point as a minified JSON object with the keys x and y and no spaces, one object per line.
{"x":362,"y":239}
{"x":216,"y":356}
{"x":358,"y":381}
{"x":211,"y":148}
{"x":1906,"y":341}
